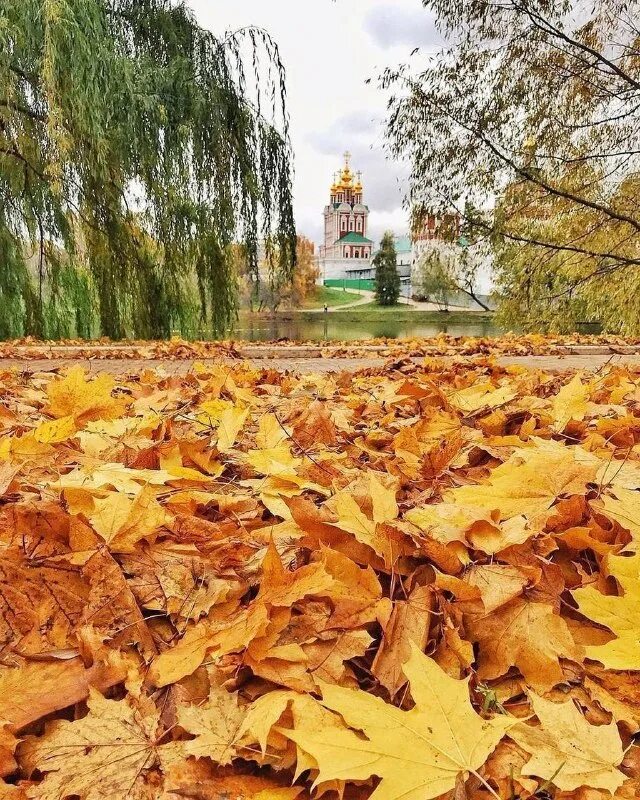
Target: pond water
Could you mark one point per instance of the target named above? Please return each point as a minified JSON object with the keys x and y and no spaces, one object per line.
{"x":339,"y":326}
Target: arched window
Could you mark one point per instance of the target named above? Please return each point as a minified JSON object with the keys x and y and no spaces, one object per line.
{"x":359,"y":224}
{"x":351,"y":223}
{"x":356,"y":254}
{"x":346,"y":252}
{"x":343,"y":223}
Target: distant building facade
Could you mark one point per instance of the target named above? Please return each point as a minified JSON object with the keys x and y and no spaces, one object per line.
{"x":433,"y":231}
{"x":346,"y":251}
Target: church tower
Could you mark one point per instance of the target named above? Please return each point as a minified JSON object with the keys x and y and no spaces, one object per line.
{"x":346,"y":251}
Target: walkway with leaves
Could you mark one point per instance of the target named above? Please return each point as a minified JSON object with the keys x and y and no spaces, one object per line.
{"x":308,"y":365}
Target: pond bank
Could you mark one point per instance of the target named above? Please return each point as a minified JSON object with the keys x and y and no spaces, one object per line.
{"x":363,"y":322}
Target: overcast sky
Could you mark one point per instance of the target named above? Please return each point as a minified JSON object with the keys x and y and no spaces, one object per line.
{"x":329,"y":49}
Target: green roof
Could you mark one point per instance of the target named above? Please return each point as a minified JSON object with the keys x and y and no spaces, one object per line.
{"x":354,"y":238}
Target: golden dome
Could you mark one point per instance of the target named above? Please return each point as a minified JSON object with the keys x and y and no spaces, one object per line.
{"x":346,"y":179}
{"x":346,"y":176}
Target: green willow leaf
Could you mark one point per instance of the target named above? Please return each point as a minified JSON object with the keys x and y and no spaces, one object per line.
{"x":136,"y":149}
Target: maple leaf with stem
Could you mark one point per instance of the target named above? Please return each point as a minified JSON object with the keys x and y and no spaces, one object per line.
{"x":528,"y":488}
{"x":216,"y":725}
{"x":530,"y":636}
{"x":369,"y":531}
{"x":418,"y":754}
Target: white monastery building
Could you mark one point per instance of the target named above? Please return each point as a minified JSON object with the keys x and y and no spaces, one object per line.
{"x":346,"y":251}
{"x":434,"y":233}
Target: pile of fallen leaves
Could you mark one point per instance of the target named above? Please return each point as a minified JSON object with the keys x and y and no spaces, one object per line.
{"x":248,"y":584}
{"x":441,"y":345}
{"x":508,"y":344}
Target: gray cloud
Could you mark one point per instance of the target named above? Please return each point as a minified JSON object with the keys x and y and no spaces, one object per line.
{"x":357,"y":126}
{"x":384,"y":181}
{"x":390,"y":25}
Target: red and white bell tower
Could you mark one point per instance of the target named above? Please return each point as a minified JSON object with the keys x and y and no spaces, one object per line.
{"x":346,"y":251}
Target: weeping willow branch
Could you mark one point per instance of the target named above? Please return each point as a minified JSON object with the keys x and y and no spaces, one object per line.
{"x":135,"y":150}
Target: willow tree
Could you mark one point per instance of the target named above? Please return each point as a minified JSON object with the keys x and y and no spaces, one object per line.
{"x":135,"y":149}
{"x":529,"y":118}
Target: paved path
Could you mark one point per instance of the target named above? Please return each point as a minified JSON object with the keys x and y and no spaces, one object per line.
{"x":363,"y":299}
{"x":309,"y":365}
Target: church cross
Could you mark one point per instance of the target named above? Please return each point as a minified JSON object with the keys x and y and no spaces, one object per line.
{"x":347,"y":158}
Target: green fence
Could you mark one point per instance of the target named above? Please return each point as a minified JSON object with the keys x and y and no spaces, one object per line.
{"x":351,"y":283}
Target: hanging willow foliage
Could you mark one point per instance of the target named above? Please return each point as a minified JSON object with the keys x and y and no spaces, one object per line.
{"x":135,"y":149}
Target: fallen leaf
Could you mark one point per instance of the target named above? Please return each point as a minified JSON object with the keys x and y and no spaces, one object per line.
{"x":75,"y":396}
{"x":216,"y":725}
{"x":529,"y":636}
{"x":104,"y":755}
{"x":621,"y":614}
{"x":567,"y":751}
{"x":122,"y":522}
{"x":570,"y":403}
{"x":418,"y":754}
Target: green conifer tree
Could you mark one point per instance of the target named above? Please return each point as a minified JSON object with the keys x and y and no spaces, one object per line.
{"x":387,"y":278}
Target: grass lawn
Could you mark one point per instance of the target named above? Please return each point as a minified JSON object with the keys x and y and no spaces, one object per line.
{"x":329,"y":296}
{"x":402,"y":313}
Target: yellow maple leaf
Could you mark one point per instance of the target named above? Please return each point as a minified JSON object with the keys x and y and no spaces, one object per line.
{"x":480,"y":528}
{"x":270,"y":433}
{"x":231,"y":423}
{"x":529,"y":488}
{"x":122,"y":521}
{"x":526,"y":635}
{"x":570,"y":403}
{"x":275,"y":461}
{"x":352,"y":519}
{"x":123,"y":479}
{"x":233,"y":635}
{"x":418,"y":754}
{"x":83,"y":400}
{"x":567,"y":751}
{"x":625,"y":509}
{"x":621,"y":614}
{"x":171,"y":460}
{"x":216,"y":725}
{"x":481,"y":396}
{"x":283,"y":588}
{"x":227,"y":417}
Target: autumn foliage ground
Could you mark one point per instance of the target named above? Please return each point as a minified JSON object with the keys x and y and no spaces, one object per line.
{"x":410,"y":583}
